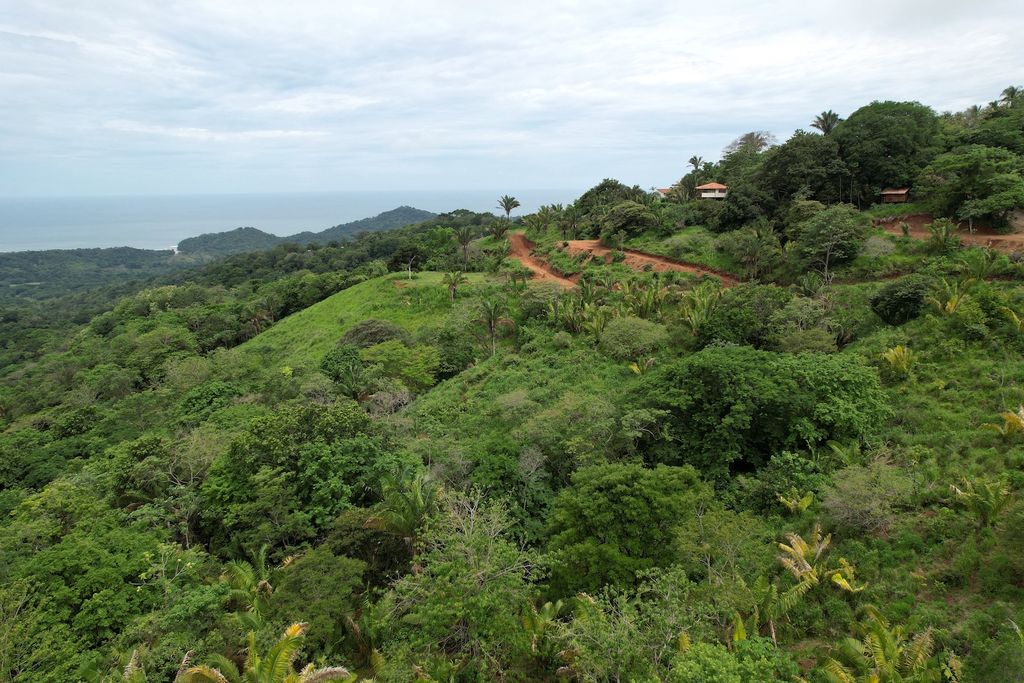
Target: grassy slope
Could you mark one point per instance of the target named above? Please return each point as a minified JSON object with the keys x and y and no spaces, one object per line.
{"x":300,"y":340}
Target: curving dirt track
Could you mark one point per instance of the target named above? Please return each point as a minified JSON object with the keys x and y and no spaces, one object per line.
{"x":522,"y":251}
{"x":639,"y":260}
{"x":982,"y":237}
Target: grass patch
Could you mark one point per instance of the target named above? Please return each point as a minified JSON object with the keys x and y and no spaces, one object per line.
{"x":301,"y":339}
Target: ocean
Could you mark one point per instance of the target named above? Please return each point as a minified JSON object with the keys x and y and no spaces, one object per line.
{"x":160,"y":222}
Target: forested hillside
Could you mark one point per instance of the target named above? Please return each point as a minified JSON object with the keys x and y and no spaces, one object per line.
{"x":241,"y":240}
{"x":773,"y":437}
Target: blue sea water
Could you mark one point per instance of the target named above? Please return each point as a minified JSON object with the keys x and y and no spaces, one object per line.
{"x":160,"y":222}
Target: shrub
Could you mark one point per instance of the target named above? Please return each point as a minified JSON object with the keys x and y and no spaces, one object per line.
{"x":865,"y":497}
{"x":629,"y":338}
{"x":415,"y":366}
{"x":901,"y":300}
{"x":373,"y":331}
{"x":744,"y":315}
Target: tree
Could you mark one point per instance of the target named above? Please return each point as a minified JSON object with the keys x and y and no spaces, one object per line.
{"x":731,"y":407}
{"x":407,"y":502}
{"x":616,"y":520}
{"x":464,"y":235}
{"x":453,"y":280}
{"x":320,"y":588}
{"x":886,"y":144}
{"x":491,"y":317}
{"x":629,"y":217}
{"x":277,"y":665}
{"x":755,"y":141}
{"x":408,"y":257}
{"x":696,"y":162}
{"x":756,"y":247}
{"x":1011,"y":94}
{"x":507,"y":203}
{"x":806,"y":166}
{"x":974,"y":182}
{"x":289,"y":474}
{"x":251,"y":588}
{"x":459,"y":617}
{"x":832,"y":236}
{"x":826,"y":121}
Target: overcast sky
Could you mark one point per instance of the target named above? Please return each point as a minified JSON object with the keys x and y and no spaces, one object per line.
{"x":154,"y":97}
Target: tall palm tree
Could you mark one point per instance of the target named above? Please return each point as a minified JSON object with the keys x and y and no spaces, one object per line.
{"x":492,"y":318}
{"x":464,"y":234}
{"x":696,"y":162}
{"x":276,"y":666}
{"x":826,"y":121}
{"x":453,"y":280}
{"x":507,"y":203}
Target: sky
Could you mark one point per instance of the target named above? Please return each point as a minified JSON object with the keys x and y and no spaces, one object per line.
{"x":125,"y":97}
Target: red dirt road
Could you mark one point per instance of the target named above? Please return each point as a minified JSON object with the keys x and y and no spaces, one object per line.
{"x":639,"y":260}
{"x":522,"y":251}
{"x":982,"y":237}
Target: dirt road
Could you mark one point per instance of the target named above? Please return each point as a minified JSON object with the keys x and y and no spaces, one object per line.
{"x":982,"y":237}
{"x":522,"y":251}
{"x":639,"y":260}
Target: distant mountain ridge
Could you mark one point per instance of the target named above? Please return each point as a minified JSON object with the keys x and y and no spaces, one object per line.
{"x":241,"y":240}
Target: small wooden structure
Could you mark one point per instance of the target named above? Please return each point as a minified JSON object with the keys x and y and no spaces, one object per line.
{"x":712,"y":191}
{"x":895,"y":195}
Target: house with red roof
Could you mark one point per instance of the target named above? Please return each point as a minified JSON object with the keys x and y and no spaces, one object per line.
{"x":712,"y":191}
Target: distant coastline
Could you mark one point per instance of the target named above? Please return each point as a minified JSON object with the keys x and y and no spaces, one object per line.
{"x":154,"y":222}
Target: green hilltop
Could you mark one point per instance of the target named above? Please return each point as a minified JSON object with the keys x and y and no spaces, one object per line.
{"x":775,"y":435}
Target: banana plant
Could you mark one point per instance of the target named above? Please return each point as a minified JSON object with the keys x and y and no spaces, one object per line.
{"x":805,"y":561}
{"x":795,"y":503}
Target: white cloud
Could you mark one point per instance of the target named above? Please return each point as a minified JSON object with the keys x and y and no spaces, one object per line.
{"x":453,"y":93}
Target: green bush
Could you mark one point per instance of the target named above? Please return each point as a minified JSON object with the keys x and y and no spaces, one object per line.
{"x":901,"y":300}
{"x":372,"y":331}
{"x":629,"y":338}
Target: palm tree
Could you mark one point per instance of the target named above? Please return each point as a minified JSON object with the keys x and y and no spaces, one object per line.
{"x":826,"y":121}
{"x":1011,"y":94}
{"x":986,"y":499}
{"x":407,"y":501}
{"x":492,"y":319}
{"x":696,"y":162}
{"x":507,"y":203}
{"x":452,"y":280}
{"x":464,"y":234}
{"x":498,"y":229}
{"x":276,"y":666}
{"x":568,"y":222}
{"x":251,"y":588}
{"x":881,"y":653}
{"x":698,"y":304}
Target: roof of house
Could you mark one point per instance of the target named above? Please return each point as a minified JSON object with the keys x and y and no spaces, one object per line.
{"x":896,"y":190}
{"x":712,"y":186}
{"x":664,"y":190}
